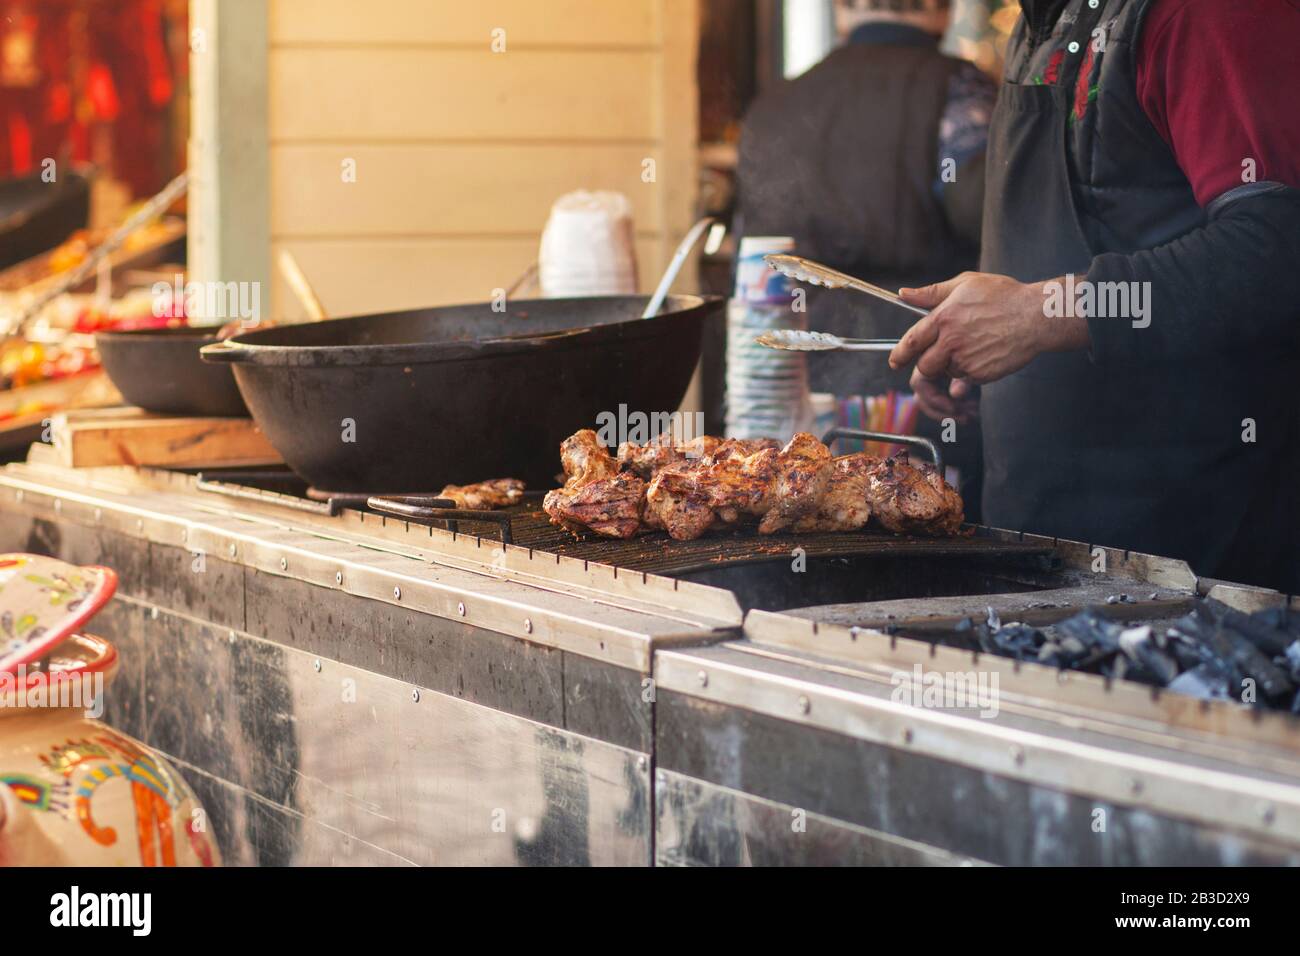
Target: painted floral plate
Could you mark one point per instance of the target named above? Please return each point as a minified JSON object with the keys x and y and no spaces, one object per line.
{"x":43,"y":601}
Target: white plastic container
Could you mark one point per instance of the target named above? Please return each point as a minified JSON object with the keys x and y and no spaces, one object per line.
{"x":588,"y":246}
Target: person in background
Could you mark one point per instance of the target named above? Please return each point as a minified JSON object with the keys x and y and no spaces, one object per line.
{"x":873,"y":162}
{"x":1135,"y":325}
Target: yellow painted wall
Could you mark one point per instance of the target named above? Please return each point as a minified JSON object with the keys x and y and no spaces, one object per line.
{"x":459,"y":151}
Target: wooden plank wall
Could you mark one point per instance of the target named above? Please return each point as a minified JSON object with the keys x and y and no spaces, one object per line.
{"x":459,"y":151}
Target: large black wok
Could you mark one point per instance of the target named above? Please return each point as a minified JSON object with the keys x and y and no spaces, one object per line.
{"x":409,"y":401}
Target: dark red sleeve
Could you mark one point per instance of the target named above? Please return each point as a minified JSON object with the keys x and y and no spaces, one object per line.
{"x":1220,"y":80}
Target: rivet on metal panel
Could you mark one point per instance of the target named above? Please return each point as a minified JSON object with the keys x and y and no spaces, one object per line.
{"x":153,"y":613}
{"x":641,"y":762}
{"x":232,"y":637}
{"x":1018,"y":754}
{"x":1267,"y":813}
{"x":805,"y":704}
{"x":907,"y":735}
{"x":460,"y":608}
{"x":58,"y":505}
{"x":284,"y":564}
{"x":397,"y":593}
{"x":703,"y":678}
{"x":660,"y":776}
{"x":316,"y":665}
{"x":528,"y":625}
{"x":415,"y":695}
{"x":338,"y":577}
{"x":853,"y":634}
{"x":233,"y":550}
{"x":99,"y":515}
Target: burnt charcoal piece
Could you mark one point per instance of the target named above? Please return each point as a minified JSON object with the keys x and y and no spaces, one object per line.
{"x":1141,"y":647}
{"x":1202,"y":627}
{"x":1208,"y":681}
{"x":1019,"y":641}
{"x":1264,"y":629}
{"x":1293,"y":659}
{"x":1093,"y":630}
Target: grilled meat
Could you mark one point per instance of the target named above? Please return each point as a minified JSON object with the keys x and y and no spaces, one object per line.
{"x":485,"y":495}
{"x":585,"y":459}
{"x":803,"y":474}
{"x":608,"y":506}
{"x":677,"y":502}
{"x":845,"y":506}
{"x":597,"y":496}
{"x":687,"y":498}
{"x":645,"y":460}
{"x":913,"y":499}
{"x":686,"y":489}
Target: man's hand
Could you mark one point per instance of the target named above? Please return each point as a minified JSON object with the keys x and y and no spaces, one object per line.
{"x":981,"y":328}
{"x":957,"y":401}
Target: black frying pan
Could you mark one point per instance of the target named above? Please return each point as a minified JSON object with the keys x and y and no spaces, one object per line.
{"x":160,"y":370}
{"x":409,"y":401}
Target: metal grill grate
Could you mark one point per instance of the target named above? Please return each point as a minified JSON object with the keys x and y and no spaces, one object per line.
{"x":659,"y":554}
{"x":656,"y":553}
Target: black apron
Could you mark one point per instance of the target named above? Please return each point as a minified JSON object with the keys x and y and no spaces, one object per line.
{"x":1144,"y":458}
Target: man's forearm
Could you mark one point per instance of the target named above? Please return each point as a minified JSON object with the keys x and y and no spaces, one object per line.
{"x":1231,"y":285}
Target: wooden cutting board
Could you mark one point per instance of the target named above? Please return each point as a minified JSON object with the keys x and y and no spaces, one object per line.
{"x":106,"y":437}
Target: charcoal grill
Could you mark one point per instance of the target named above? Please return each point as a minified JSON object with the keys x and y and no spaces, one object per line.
{"x":860,"y":563}
{"x":527,"y":526}
{"x":657,"y":553}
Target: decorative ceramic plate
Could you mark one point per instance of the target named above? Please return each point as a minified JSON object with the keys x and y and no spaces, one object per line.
{"x":43,"y":601}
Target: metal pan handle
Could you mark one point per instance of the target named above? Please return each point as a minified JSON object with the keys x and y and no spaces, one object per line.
{"x":916,"y":441}
{"x":224,"y":351}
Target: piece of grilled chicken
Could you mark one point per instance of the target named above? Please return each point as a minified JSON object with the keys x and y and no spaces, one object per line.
{"x":485,"y":495}
{"x":596,"y":496}
{"x":913,"y":499}
{"x":846,"y":505}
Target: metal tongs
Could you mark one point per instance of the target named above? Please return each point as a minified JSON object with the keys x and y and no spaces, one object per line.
{"x":799,"y":340}
{"x":805,"y":270}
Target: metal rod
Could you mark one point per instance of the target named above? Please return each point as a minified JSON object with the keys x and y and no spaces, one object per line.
{"x":862,"y":435}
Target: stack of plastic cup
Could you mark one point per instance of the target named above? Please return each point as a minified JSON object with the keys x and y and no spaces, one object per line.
{"x":588,"y":246}
{"x":767,"y":389}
